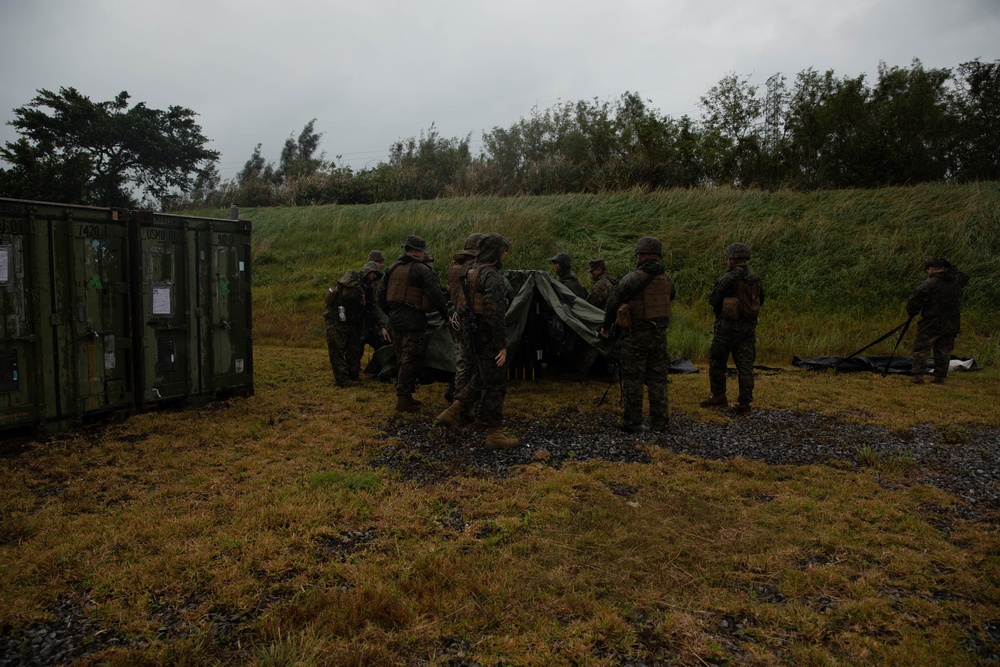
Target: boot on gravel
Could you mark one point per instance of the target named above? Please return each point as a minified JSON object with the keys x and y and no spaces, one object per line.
{"x":714,"y":401}
{"x":406,"y":403}
{"x":451,"y":418}
{"x":497,"y":440}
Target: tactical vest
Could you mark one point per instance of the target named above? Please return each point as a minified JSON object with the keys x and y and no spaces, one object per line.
{"x":399,"y":291}
{"x":653,"y":303}
{"x":478,"y":303}
{"x":455,"y":274}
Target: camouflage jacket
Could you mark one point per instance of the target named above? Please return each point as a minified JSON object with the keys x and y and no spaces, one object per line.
{"x":938,"y":301}
{"x":602,"y":290}
{"x":728,"y":283}
{"x":569,"y":279}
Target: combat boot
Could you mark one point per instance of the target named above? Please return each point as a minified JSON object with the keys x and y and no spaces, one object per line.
{"x":917,"y":379}
{"x":741,"y":408}
{"x":405,"y":403}
{"x":451,"y":418}
{"x":497,"y":440}
{"x":714,"y":400}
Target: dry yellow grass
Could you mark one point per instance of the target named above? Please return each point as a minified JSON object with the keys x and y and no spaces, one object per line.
{"x":268,"y":511}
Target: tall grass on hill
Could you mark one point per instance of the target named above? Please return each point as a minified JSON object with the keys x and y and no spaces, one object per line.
{"x":837,"y":265}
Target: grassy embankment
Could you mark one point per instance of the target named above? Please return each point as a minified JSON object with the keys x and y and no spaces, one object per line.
{"x":838,"y":266}
{"x":260,"y":532}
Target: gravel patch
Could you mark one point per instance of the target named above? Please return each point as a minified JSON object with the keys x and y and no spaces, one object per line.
{"x":963,"y":461}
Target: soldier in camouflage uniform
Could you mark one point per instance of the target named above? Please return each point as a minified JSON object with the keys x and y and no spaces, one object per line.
{"x":938,"y":301}
{"x":735,"y":329}
{"x":489,"y":305}
{"x":646,"y":294}
{"x":564,"y":274}
{"x":344,"y":316}
{"x":374,"y":330}
{"x":408,"y":291}
{"x":601,"y":291}
{"x":465,"y":372}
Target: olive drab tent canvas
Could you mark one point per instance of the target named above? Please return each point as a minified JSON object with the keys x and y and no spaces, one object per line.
{"x":547,"y":328}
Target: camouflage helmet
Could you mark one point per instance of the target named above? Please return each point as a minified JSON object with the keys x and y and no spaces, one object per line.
{"x":647,"y":245}
{"x":937,"y":263}
{"x":738,"y":251}
{"x":369,"y":268}
{"x":563,"y":259}
{"x":376,"y":256}
{"x":414,"y":243}
{"x":471,"y":244}
{"x":491,"y":247}
{"x":350,"y":279}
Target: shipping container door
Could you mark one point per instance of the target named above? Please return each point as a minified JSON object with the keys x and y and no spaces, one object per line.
{"x":95,"y":262}
{"x":229,"y":355}
{"x":165,"y":307}
{"x":23,"y":398}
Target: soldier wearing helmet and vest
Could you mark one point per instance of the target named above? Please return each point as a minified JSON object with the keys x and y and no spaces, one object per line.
{"x":489,"y":305}
{"x":640,"y":304}
{"x":408,"y":291}
{"x":736,"y":300}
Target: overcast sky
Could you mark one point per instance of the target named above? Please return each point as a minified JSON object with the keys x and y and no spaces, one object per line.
{"x":375,"y":71}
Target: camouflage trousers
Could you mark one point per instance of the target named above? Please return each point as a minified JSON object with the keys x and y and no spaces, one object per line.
{"x":410,"y":347}
{"x":738,"y":339}
{"x":342,"y":342}
{"x":941,"y":346}
{"x":467,"y":387}
{"x":488,"y":388}
{"x":645,"y":362}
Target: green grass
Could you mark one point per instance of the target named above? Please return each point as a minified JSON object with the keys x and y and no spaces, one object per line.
{"x":838,"y":265}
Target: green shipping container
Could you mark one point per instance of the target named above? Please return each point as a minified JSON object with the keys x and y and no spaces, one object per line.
{"x":195,"y":343}
{"x":65,"y":303}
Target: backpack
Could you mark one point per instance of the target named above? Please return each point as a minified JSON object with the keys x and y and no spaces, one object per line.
{"x":748,"y":294}
{"x":745,"y":304}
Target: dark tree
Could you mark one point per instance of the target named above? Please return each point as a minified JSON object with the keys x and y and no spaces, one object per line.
{"x":298,"y":158}
{"x":976,"y":103}
{"x":257,"y":169}
{"x":102,"y":153}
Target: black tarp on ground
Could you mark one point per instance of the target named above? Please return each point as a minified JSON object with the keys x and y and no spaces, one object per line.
{"x":546,"y":326}
{"x":899,"y":365}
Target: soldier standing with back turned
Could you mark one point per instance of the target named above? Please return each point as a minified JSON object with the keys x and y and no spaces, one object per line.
{"x":646,"y":294}
{"x":938,"y":300}
{"x":489,"y":305}
{"x":736,"y":299}
{"x":408,"y":291}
